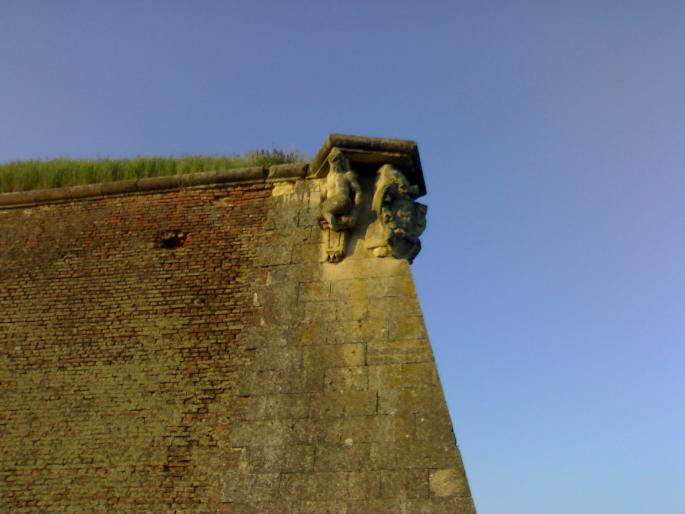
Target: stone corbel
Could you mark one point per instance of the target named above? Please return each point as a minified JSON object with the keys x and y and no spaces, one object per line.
{"x":385,"y":212}
{"x":399,"y":219}
{"x":341,"y":199}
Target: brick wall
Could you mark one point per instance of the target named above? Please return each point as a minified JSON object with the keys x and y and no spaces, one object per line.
{"x":119,"y":356}
{"x":190,"y":351}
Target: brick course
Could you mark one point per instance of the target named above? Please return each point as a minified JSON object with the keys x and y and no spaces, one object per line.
{"x":119,"y":356}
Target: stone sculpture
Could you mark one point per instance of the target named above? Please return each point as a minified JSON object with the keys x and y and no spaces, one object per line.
{"x":341,"y":200}
{"x":400,"y":220}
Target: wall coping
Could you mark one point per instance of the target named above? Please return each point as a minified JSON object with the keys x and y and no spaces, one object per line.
{"x":151,"y":184}
{"x":359,"y":149}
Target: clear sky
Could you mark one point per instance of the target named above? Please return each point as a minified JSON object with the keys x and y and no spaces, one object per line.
{"x":552,"y":135}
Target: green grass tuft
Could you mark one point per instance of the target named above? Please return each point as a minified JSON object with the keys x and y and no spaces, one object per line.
{"x":42,"y":174}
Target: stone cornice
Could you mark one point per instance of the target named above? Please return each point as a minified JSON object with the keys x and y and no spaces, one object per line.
{"x":371,"y":152}
{"x":152,"y":184}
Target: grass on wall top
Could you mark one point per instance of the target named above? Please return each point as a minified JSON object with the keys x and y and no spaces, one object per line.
{"x":42,"y":174}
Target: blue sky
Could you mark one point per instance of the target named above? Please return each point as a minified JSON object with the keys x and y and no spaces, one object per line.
{"x":552,"y":136}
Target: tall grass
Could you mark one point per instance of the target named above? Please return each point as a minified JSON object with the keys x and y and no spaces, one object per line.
{"x":41,"y":174}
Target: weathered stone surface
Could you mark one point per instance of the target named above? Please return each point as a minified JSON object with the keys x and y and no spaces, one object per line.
{"x":250,"y":487}
{"x":399,"y":219}
{"x":411,"y":484}
{"x":334,"y":356}
{"x":448,"y":482}
{"x":399,"y":351}
{"x":343,"y":403}
{"x":422,"y":400}
{"x":348,"y":456}
{"x":344,"y":379}
{"x":234,"y":371}
{"x":341,"y":200}
{"x":278,"y":406}
{"x":280,"y":458}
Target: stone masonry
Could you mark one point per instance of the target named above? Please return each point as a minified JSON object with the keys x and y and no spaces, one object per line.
{"x":245,"y":341}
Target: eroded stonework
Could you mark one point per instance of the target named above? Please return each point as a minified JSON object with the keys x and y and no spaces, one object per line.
{"x":393,"y":221}
{"x":399,"y":219}
{"x":341,"y":199}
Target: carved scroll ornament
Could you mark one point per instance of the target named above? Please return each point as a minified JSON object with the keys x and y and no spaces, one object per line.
{"x":341,"y":200}
{"x":399,"y":219}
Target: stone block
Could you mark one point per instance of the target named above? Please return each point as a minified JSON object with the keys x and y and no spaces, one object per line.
{"x":284,"y":458}
{"x":453,"y":505}
{"x":250,"y":487}
{"x":345,"y":379}
{"x":375,"y":506}
{"x":314,"y":291}
{"x":314,"y":507}
{"x":399,"y":376}
{"x":309,"y":216}
{"x":448,"y":482}
{"x":310,"y":332}
{"x":265,"y":433}
{"x":278,"y":406}
{"x":435,"y":428}
{"x":391,"y":289}
{"x":394,"y":308}
{"x":415,"y":453}
{"x":349,"y":331}
{"x":261,"y":336}
{"x":404,"y":484}
{"x":399,"y":351}
{"x":334,"y":356}
{"x":319,"y":486}
{"x":279,"y":381}
{"x":364,"y":485}
{"x":383,"y":455}
{"x":318,"y":312}
{"x":375,"y":428}
{"x":275,"y":254}
{"x":258,"y":508}
{"x":425,"y":400}
{"x":388,"y":376}
{"x":352,"y":456}
{"x":270,"y":358}
{"x":410,"y":327}
{"x":278,"y":309}
{"x":245,"y":434}
{"x":352,"y":310}
{"x":367,"y":268}
{"x":348,"y":403}
{"x":307,"y":253}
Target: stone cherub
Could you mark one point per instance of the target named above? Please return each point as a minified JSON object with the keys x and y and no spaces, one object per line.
{"x":342,"y":195}
{"x":341,"y":198}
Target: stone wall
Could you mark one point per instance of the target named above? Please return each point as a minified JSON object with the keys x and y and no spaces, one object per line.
{"x":194,"y":349}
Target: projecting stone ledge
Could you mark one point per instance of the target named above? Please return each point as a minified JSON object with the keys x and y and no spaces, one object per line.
{"x":373,"y":151}
{"x":371,"y":187}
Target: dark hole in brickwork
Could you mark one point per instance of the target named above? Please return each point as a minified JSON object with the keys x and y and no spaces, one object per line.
{"x":173,"y":239}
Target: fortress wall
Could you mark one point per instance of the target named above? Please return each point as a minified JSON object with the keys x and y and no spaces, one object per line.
{"x":119,"y":357}
{"x":192,"y":349}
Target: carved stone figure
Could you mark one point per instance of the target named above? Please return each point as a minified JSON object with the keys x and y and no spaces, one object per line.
{"x":399,"y":219}
{"x":341,"y":200}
